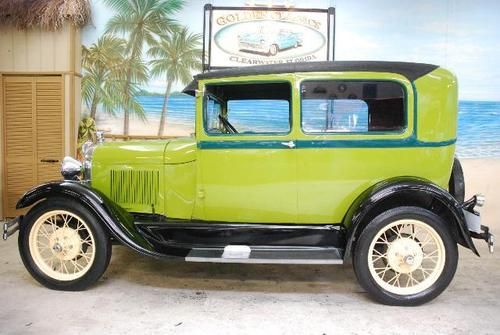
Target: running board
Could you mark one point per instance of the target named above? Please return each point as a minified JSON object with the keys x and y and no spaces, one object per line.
{"x":266,"y":255}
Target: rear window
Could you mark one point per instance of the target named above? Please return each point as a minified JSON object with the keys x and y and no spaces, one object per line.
{"x":341,"y":106}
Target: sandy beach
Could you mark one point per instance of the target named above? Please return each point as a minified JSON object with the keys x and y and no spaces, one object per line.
{"x":483,"y":176}
{"x":114,"y":126}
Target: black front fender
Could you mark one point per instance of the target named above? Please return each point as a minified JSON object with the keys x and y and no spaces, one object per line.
{"x":119,"y":223}
{"x":404,"y":192}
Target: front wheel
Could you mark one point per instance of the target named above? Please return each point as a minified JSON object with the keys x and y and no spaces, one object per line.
{"x":63,"y":246}
{"x":406,"y":256}
{"x":273,"y":50}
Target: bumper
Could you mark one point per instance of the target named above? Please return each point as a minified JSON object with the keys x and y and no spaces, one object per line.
{"x":473,"y":221}
{"x":10,"y":227}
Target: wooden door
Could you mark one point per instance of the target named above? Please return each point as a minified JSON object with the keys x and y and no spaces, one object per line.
{"x":33,"y":115}
{"x":49,"y":128}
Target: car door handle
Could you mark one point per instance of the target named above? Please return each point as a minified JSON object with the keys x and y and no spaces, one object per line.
{"x":290,"y":144}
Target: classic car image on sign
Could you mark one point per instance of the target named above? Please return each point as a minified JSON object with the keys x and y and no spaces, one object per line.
{"x":360,"y":169}
{"x":269,"y":43}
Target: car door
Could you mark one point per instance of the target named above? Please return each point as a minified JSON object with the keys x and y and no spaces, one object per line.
{"x":356,"y":130}
{"x":249,"y":174}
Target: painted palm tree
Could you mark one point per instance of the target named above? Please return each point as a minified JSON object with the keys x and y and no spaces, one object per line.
{"x":175,"y":56}
{"x":124,"y":84}
{"x":140,"y":22}
{"x":99,"y":62}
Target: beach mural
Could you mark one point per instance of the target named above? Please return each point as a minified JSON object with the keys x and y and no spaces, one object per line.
{"x":139,"y":54}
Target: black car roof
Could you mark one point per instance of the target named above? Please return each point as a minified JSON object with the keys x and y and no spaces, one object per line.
{"x":411,"y":71}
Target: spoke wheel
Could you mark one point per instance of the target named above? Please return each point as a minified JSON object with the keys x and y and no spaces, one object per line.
{"x":62,"y":245}
{"x":409,"y":263}
{"x":405,"y":256}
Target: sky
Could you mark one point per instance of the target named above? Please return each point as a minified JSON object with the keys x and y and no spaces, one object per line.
{"x":462,"y":36}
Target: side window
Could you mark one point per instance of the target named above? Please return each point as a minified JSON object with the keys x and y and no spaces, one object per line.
{"x":259,"y":115}
{"x":341,"y":106}
{"x":248,"y":109}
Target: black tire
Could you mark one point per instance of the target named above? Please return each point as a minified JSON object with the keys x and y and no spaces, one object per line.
{"x":102,"y":245}
{"x":362,"y":249}
{"x":456,"y":184}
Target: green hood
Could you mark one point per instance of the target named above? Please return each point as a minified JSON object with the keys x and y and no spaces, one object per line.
{"x":140,"y":176}
{"x":175,"y":151}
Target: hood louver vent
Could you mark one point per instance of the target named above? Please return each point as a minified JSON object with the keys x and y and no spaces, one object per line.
{"x":135,"y":186}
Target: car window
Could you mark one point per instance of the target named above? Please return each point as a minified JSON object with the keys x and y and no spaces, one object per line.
{"x":259,"y":115}
{"x":248,"y":109}
{"x":352,"y":106}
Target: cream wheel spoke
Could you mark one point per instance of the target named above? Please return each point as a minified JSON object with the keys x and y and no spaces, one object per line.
{"x":429,"y":255}
{"x":393,"y":279}
{"x":384,"y":271}
{"x":79,"y":226}
{"x":428,"y":240}
{"x":411,"y":278}
{"x":86,"y":256}
{"x":379,"y":253}
{"x":384,"y":238}
{"x":87,"y":241}
{"x":52,"y":223}
{"x":77,"y":266}
{"x":45,"y":245}
{"x":376,"y":258}
{"x":397,"y":280}
{"x":401,"y":229}
{"x":65,"y":267}
{"x":65,"y":220}
{"x":425,"y":273}
{"x":44,"y":231}
{"x":408,"y":281}
{"x":395,"y":230}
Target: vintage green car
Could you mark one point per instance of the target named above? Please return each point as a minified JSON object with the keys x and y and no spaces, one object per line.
{"x":304,"y":163}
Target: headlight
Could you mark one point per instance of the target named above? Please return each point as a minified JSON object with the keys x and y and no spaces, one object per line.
{"x":71,"y":168}
{"x":87,"y":151}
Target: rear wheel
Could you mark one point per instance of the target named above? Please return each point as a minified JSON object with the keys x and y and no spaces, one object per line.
{"x":406,"y":256}
{"x":273,"y":50}
{"x":63,"y":245}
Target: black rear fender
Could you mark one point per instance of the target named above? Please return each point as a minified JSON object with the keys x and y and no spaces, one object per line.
{"x":406,"y":192}
{"x":456,"y":184}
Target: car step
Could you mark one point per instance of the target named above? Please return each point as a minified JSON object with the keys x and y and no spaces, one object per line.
{"x":266,"y":255}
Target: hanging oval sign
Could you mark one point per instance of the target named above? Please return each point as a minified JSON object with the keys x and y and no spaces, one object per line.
{"x":268,"y":41}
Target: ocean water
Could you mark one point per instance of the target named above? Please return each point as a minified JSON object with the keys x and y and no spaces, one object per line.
{"x":478,"y":121}
{"x":478,"y":129}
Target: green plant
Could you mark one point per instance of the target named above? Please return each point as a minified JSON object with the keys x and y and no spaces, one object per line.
{"x":86,"y":132}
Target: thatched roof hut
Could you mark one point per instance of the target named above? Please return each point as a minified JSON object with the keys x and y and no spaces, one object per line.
{"x":47,"y":14}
